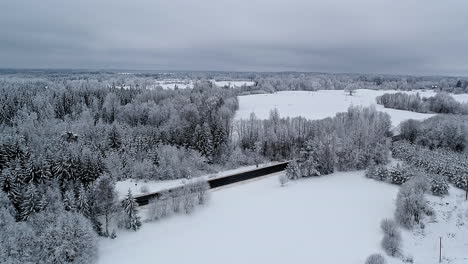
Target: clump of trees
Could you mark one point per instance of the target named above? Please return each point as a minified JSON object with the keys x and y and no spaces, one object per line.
{"x":184,"y":199}
{"x":399,"y":174}
{"x":412,"y":206}
{"x":441,"y":131}
{"x":441,"y":103}
{"x":351,"y":140}
{"x":53,"y":235}
{"x":449,"y":165}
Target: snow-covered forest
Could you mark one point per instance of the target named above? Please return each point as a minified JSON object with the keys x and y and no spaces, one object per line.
{"x":68,"y":137}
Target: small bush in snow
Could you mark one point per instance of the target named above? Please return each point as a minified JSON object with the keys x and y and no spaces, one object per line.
{"x":400,"y":174}
{"x":189,"y":201}
{"x":375,"y":259}
{"x":144,"y":189}
{"x":377,"y":172}
{"x":200,"y":188}
{"x":390,"y":228}
{"x":407,"y":259}
{"x":283,"y":179}
{"x":293,"y":171}
{"x":420,"y":184}
{"x":439,"y":185}
{"x":391,"y":245}
{"x":177,"y":200}
{"x":159,"y":208}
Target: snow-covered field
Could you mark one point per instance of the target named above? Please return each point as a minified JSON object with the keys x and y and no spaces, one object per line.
{"x":331,"y":219}
{"x":135,"y":186}
{"x":173,"y":83}
{"x":322,"y":104}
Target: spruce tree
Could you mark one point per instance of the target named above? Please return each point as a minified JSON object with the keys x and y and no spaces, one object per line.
{"x":82,"y":201}
{"x":69,"y":201}
{"x":104,"y":201}
{"x":130,"y":205}
{"x":114,"y":138}
{"x":30,"y":203}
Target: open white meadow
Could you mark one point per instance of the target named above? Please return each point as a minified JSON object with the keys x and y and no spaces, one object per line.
{"x":330,"y":219}
{"x":323,"y":103}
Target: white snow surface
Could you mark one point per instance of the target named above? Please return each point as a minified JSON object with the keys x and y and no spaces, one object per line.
{"x":329,"y":219}
{"x":135,"y":185}
{"x":324,"y":103}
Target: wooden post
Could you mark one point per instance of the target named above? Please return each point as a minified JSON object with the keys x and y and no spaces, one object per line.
{"x":440,"y":250}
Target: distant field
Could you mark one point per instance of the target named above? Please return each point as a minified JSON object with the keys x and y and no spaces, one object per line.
{"x":322,"y":104}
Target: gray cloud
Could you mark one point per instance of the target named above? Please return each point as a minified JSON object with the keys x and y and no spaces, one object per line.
{"x":378,"y":36}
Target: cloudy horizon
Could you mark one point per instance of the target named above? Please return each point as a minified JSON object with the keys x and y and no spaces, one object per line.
{"x":365,"y":36}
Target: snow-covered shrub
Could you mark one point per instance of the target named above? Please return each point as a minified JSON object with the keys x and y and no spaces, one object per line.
{"x":411,"y":205}
{"x":199,"y":188}
{"x":177,"y":197}
{"x":391,"y":245}
{"x":377,"y":172}
{"x":439,"y":185}
{"x":375,"y":259}
{"x":390,"y":228}
{"x":421,"y":184}
{"x":293,"y":171}
{"x":407,"y":259}
{"x":189,"y":200}
{"x":144,"y":189}
{"x":160,"y":208}
{"x":399,"y":174}
{"x":283,"y":179}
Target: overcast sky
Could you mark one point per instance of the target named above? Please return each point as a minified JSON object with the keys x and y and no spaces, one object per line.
{"x":423,"y":37}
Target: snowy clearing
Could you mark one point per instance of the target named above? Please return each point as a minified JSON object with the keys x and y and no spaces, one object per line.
{"x":135,"y":186}
{"x":323,"y":103}
{"x":330,"y":219}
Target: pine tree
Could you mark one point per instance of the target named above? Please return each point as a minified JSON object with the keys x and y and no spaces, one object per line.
{"x":129,"y":206}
